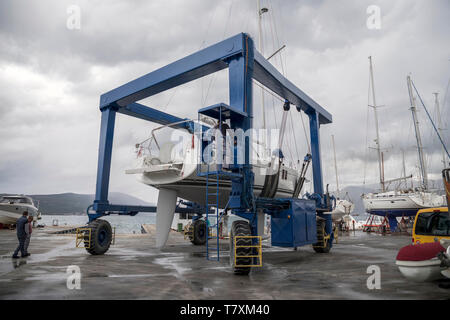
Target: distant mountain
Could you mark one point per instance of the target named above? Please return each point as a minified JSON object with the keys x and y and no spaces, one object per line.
{"x":72,"y":203}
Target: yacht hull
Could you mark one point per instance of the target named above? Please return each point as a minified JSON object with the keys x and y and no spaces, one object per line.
{"x":9,"y":213}
{"x":400,"y":205}
{"x":343,"y":207}
{"x":193,"y":188}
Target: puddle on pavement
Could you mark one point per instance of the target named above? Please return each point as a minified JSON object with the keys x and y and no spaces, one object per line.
{"x":174,"y":263}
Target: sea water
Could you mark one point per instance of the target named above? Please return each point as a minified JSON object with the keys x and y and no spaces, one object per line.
{"x":123,"y":224}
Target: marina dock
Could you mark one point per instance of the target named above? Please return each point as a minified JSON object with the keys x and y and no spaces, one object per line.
{"x":134,"y":269}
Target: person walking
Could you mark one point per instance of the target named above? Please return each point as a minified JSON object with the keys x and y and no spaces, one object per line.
{"x":28,"y":231}
{"x":21,"y":235}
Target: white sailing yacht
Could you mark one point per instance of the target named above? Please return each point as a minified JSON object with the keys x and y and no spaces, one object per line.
{"x":169,"y":161}
{"x":404,"y":202}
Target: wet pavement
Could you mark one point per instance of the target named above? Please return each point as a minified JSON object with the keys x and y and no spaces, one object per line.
{"x":134,"y":269}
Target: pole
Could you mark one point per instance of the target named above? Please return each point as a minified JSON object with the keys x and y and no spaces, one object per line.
{"x":413,"y":109}
{"x":335,"y":166}
{"x":376,"y":128}
{"x":404,"y":168}
{"x":261,"y":50}
{"x":440,"y":127}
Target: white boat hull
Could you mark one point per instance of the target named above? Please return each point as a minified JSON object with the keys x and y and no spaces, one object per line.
{"x":7,"y":217}
{"x":9,"y":213}
{"x":175,"y":168}
{"x":421,"y":271}
{"x":342,"y":208}
{"x":407,"y":203}
{"x":193,"y":188}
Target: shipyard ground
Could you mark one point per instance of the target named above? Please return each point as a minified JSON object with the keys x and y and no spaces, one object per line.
{"x":133,"y":269}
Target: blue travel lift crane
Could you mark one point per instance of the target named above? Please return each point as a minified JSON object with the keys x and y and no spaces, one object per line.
{"x":294,"y":222}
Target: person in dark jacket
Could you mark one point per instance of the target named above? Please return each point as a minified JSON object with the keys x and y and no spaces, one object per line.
{"x":21,"y":235}
{"x":28,"y":231}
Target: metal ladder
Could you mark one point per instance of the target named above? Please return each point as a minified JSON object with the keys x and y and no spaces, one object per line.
{"x":212,"y":200}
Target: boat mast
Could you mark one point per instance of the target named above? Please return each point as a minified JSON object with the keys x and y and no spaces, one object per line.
{"x":374,"y":106}
{"x":440,"y":128}
{"x":335,"y":167}
{"x":382,"y":167}
{"x":404,"y":168}
{"x":261,"y":50}
{"x":423,"y":169}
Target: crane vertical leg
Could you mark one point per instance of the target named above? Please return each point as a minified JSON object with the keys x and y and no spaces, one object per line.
{"x":104,"y":158}
{"x":317,"y":165}
{"x":240,"y":74}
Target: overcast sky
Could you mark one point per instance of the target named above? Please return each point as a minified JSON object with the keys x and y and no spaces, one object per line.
{"x":52,"y":75}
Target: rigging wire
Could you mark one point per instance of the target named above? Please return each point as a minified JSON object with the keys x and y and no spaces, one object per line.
{"x":437,"y":132}
{"x":213,"y":77}
{"x":306,"y":134}
{"x":295,"y":140}
{"x":272,"y":15}
{"x":274,"y":95}
{"x":201,"y":46}
{"x":444,"y":122}
{"x":367,"y":133}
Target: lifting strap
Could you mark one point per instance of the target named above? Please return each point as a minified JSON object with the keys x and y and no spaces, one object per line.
{"x":302,"y":176}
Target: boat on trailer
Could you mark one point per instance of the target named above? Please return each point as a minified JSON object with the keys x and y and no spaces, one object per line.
{"x":169,"y":160}
{"x":173,"y":165}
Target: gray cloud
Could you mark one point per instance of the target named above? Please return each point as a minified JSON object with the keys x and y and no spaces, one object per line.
{"x":51,"y":79}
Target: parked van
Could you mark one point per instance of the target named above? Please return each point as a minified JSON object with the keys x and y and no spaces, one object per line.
{"x":430,"y":225}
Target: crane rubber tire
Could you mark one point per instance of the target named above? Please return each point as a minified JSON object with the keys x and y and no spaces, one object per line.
{"x":240,"y":228}
{"x":101,"y":237}
{"x":322,"y":245}
{"x":199,"y":232}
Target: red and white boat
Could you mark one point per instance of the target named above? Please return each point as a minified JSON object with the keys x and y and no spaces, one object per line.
{"x":420,"y":262}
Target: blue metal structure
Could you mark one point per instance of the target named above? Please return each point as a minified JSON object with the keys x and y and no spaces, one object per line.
{"x":294,"y":226}
{"x":244,"y":64}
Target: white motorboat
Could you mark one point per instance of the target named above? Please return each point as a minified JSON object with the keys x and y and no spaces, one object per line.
{"x":13,"y":206}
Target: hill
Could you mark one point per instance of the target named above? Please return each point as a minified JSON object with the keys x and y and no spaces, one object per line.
{"x":73,"y":203}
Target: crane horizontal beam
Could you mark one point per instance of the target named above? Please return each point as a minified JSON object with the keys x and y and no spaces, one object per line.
{"x":202,"y":63}
{"x":266,"y":74}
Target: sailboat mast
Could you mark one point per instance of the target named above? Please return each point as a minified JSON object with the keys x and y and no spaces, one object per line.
{"x":439,"y":121}
{"x":423,"y":169}
{"x":404,"y":168}
{"x":335,"y":167}
{"x":374,"y":106}
{"x":261,"y":49}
